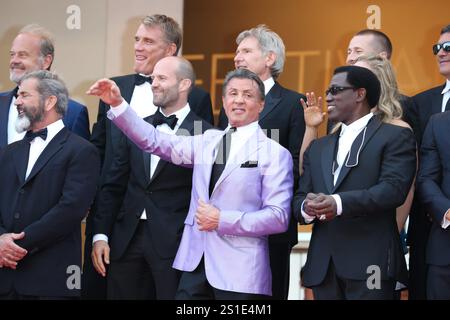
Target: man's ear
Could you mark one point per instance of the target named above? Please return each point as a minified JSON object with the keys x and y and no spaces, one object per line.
{"x":362,"y":93}
{"x":383,"y":54}
{"x":184,"y":85}
{"x":48,"y":59}
{"x":171,"y":49}
{"x":50,"y":103}
{"x":270,"y":59}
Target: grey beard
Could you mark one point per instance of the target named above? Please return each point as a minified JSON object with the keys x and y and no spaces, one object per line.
{"x":22,"y":124}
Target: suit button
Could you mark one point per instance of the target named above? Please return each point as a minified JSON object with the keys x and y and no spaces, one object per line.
{"x":16,"y":215}
{"x":21,"y":191}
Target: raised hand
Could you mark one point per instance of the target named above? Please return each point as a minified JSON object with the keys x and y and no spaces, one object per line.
{"x":313,"y":110}
{"x":107,"y":90}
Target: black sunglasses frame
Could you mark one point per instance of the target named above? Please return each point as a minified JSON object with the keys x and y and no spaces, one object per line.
{"x":444,"y":46}
{"x":334,"y":90}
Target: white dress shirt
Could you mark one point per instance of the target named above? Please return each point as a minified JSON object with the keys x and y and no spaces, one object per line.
{"x":445,"y":95}
{"x":37,"y":145}
{"x":268,"y":84}
{"x":142,"y":100}
{"x":239,"y":139}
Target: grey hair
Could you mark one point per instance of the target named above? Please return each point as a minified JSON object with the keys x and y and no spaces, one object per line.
{"x":47,"y":43}
{"x":171,"y":28}
{"x":185,"y":71}
{"x":49,"y":84}
{"x":268,"y":41}
{"x":244,"y":74}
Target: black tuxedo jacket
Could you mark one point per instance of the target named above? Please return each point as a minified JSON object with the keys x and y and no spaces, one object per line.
{"x":283,"y":112}
{"x":434,"y":185}
{"x":128,"y":190}
{"x":76,"y":118}
{"x":373,"y":184}
{"x":48,"y":206}
{"x":106,"y":136}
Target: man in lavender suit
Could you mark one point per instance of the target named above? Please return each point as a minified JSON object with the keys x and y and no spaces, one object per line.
{"x":242,"y":188}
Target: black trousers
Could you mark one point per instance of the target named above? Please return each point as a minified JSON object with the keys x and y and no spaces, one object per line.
{"x":141,"y":273}
{"x":335,"y":287}
{"x":279,"y":254}
{"x":438,"y":283}
{"x":195,"y":286}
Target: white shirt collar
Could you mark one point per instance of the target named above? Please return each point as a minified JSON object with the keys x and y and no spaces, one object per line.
{"x":54,"y":128}
{"x":357,"y":125}
{"x":447,"y":87}
{"x":247,"y":129}
{"x":268,"y":84}
{"x":181,"y":114}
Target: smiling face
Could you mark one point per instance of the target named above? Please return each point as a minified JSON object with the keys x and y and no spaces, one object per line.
{"x":443,"y":57}
{"x":249,"y":56}
{"x":242,"y":102}
{"x":165,"y":84}
{"x":29,"y":105}
{"x":150,"y":46}
{"x":25,"y":56}
{"x":343,"y":106}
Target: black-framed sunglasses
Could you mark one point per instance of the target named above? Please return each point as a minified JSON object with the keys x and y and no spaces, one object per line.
{"x":334,"y":90}
{"x":444,"y":46}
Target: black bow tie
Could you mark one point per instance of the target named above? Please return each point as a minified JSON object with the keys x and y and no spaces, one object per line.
{"x":159,"y":118}
{"x":139,"y":79}
{"x":30,"y":135}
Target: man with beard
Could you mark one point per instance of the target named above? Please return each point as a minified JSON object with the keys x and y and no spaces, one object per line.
{"x":157,"y":36}
{"x":48,"y":182}
{"x":33,"y":50}
{"x":143,"y":202}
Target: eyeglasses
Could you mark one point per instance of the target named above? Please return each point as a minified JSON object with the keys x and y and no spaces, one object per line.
{"x":335,"y":90}
{"x":444,"y":46}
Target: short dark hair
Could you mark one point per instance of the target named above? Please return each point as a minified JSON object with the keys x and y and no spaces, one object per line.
{"x":381,"y":38}
{"x":244,"y":74}
{"x":360,"y":77}
{"x":445,"y":29}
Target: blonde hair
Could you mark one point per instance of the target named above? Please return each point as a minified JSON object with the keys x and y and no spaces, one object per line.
{"x":388,"y":107}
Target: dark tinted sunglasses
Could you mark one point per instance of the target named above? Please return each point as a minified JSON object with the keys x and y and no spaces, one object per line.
{"x":335,"y":90}
{"x":444,"y":46}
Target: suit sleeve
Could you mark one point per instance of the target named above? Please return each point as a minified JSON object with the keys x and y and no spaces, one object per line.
{"x":98,"y":137}
{"x":397,"y":172}
{"x":178,"y":150}
{"x":81,"y":124}
{"x":76,"y":196}
{"x":296,"y":133}
{"x":276,"y":195}
{"x":304,"y":186}
{"x":112,"y":191}
{"x":430,"y":174}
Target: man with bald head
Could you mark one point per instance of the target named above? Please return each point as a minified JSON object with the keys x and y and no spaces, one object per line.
{"x":143,"y":202}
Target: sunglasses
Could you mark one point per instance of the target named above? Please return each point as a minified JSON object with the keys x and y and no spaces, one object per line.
{"x":444,"y":46}
{"x":335,"y":90}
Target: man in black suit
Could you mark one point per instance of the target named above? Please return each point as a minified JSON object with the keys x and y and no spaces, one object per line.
{"x":158,"y":36}
{"x":144,"y":200}
{"x":262,"y":51}
{"x":353,"y":181}
{"x":434,"y":191}
{"x":33,"y":50}
{"x":48,"y":183}
{"x":426,"y":104}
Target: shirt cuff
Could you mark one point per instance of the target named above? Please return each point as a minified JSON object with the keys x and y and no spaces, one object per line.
{"x":445,"y":223}
{"x":308,"y":218}
{"x":117,"y":111}
{"x":99,"y":237}
{"x":338,"y":200}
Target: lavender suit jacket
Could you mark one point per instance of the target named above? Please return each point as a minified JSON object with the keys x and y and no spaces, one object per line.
{"x":254,"y":201}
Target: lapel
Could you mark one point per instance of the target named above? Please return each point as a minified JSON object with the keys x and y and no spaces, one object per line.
{"x":5,"y":102}
{"x":253,"y":144}
{"x":50,"y":150}
{"x":272,"y":99}
{"x":21,"y":159}
{"x":146,"y":155}
{"x":328,"y":155}
{"x":127,"y":89}
{"x":187,"y":124}
{"x":436,"y":100}
{"x":352,"y":159}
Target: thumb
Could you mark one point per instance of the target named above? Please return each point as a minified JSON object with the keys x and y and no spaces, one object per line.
{"x":17,"y":236}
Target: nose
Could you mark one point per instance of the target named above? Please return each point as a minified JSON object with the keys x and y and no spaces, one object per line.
{"x":138,"y":45}
{"x":14,"y":58}
{"x":442,"y":53}
{"x":351,"y":58}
